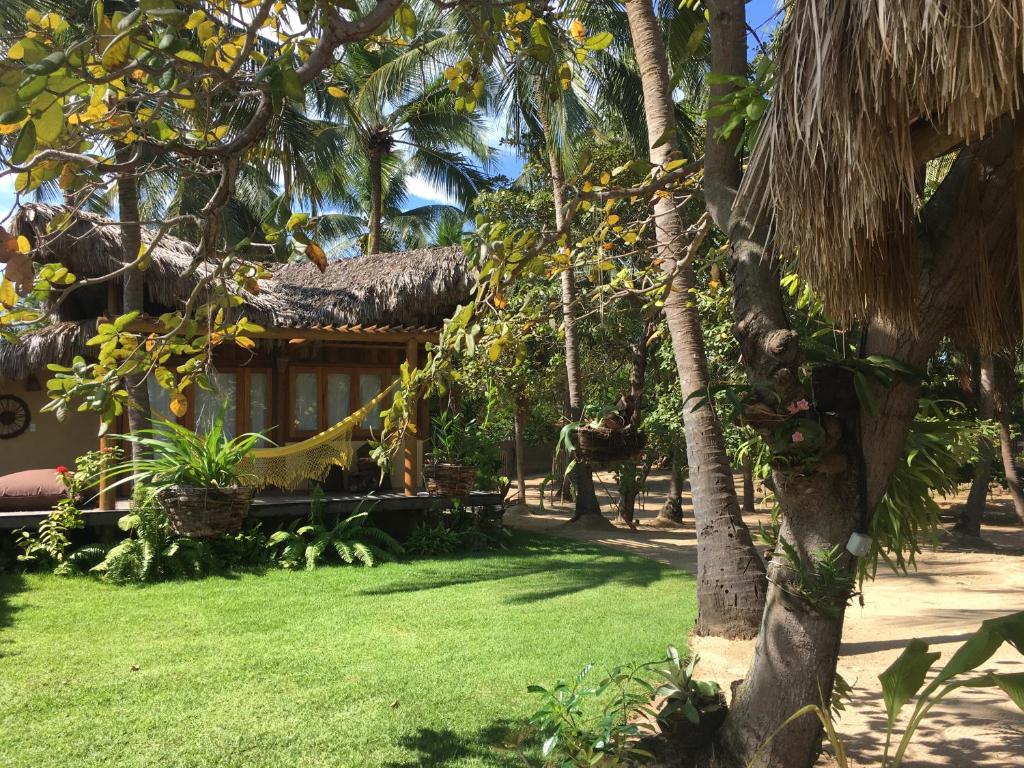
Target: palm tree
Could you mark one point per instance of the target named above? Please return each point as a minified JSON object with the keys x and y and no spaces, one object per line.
{"x":399,"y":118}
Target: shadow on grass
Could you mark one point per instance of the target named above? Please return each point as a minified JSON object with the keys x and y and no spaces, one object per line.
{"x":496,"y":745}
{"x":10,"y":585}
{"x":578,"y":566}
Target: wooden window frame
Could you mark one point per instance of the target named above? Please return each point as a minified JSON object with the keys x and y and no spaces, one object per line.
{"x":242,"y":421}
{"x":322,"y":372}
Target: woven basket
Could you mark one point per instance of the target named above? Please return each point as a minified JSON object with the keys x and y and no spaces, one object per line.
{"x":600,"y":445}
{"x":201,"y":512}
{"x":449,"y":479}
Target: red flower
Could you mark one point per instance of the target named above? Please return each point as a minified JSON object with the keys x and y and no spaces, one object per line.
{"x":62,"y":470}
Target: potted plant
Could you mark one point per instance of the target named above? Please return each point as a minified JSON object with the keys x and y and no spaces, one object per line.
{"x":603,"y":439}
{"x":197,"y":477}
{"x":451,"y":464}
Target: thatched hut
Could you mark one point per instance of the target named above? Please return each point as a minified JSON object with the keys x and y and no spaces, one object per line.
{"x":867,"y":93}
{"x":332,"y":339}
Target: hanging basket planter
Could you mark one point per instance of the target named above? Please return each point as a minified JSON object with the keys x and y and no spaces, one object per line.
{"x":602,"y":445}
{"x":448,"y":479}
{"x":203,"y":512}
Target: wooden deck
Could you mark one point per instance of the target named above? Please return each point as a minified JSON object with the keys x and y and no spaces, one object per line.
{"x":282,"y":506}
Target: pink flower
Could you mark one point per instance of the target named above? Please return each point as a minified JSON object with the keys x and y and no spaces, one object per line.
{"x":798,"y":406}
{"x":798,"y":437}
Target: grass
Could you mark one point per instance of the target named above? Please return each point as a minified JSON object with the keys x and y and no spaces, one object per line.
{"x":412,"y":664}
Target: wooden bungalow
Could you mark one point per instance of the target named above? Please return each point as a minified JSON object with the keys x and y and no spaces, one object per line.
{"x":332,"y":341}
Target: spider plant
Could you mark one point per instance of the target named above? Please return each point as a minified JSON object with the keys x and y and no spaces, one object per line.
{"x":177,"y":456}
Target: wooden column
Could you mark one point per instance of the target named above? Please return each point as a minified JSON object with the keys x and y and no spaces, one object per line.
{"x":107,"y":496}
{"x":410,"y":454}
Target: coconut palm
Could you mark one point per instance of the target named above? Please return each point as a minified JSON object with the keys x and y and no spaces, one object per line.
{"x":398,"y":118}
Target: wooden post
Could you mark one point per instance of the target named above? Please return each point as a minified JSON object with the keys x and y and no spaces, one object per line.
{"x":107,"y":495}
{"x":410,"y":454}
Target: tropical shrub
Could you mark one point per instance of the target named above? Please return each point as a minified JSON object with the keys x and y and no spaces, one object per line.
{"x":150,"y":553}
{"x":604,"y":724}
{"x":48,"y":546}
{"x":347,"y":540}
{"x":429,"y":540}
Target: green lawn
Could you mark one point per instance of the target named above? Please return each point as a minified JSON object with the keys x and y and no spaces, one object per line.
{"x":412,"y":664}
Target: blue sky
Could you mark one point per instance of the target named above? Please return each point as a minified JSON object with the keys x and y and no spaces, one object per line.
{"x":761,"y":16}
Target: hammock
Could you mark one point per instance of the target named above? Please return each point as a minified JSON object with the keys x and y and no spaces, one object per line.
{"x":290,"y":465}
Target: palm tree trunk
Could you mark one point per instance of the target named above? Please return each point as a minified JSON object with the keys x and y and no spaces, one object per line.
{"x":671,"y":512}
{"x":587,"y":508}
{"x":974,"y":510}
{"x":520,"y":436}
{"x":1002,"y":409}
{"x":748,"y":487}
{"x":731,"y":580}
{"x":376,"y":198}
{"x":134,"y":290}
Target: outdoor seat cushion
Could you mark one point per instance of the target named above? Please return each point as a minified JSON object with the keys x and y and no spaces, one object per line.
{"x":33,"y":489}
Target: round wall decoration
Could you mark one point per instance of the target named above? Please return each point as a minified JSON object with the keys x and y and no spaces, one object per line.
{"x":14,"y":416}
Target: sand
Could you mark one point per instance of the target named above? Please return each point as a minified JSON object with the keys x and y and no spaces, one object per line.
{"x":958,"y":585}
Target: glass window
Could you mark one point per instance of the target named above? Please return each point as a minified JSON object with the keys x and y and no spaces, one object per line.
{"x":159,"y":399}
{"x":259,"y":402}
{"x":306,"y":403}
{"x":209,"y":403}
{"x":339,"y":402}
{"x":369,"y":388}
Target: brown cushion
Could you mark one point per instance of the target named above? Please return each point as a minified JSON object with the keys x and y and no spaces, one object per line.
{"x":33,"y":489}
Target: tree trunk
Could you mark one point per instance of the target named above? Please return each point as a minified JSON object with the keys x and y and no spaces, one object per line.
{"x":376,"y":198}
{"x":671,"y":512}
{"x":974,"y":510}
{"x":748,"y":487}
{"x":522,"y":410}
{"x":730,"y":574}
{"x":134,"y":290}
{"x":587,"y":508}
{"x":797,"y":649}
{"x":1002,"y":409}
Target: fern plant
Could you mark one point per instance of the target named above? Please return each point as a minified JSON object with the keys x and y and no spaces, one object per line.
{"x":149,"y":553}
{"x":348,"y":539}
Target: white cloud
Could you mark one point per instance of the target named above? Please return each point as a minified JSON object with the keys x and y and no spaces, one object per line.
{"x":423,"y":188}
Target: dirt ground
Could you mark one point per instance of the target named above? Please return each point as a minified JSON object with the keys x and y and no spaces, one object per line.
{"x":957,"y":586}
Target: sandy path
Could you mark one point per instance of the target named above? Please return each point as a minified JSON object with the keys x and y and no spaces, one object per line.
{"x":954,"y":589}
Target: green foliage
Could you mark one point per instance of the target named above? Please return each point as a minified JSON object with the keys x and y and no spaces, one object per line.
{"x":430,"y":540}
{"x":454,"y":439}
{"x":903,"y":680}
{"x":48,"y":547}
{"x":176,"y":455}
{"x":151,"y":553}
{"x":940,"y":442}
{"x":585,"y":724}
{"x":347,"y":540}
{"x":684,"y":694}
{"x":827,"y":582}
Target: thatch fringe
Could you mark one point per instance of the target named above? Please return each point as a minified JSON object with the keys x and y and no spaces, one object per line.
{"x":855,"y":80}
{"x":57,"y":342}
{"x":417,"y":288}
{"x":90,"y":246}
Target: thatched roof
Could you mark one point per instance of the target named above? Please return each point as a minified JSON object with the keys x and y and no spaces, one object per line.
{"x":417,"y":288}
{"x":857,"y":81}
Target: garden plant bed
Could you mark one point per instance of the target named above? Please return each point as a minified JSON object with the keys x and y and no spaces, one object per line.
{"x":408,"y":664}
